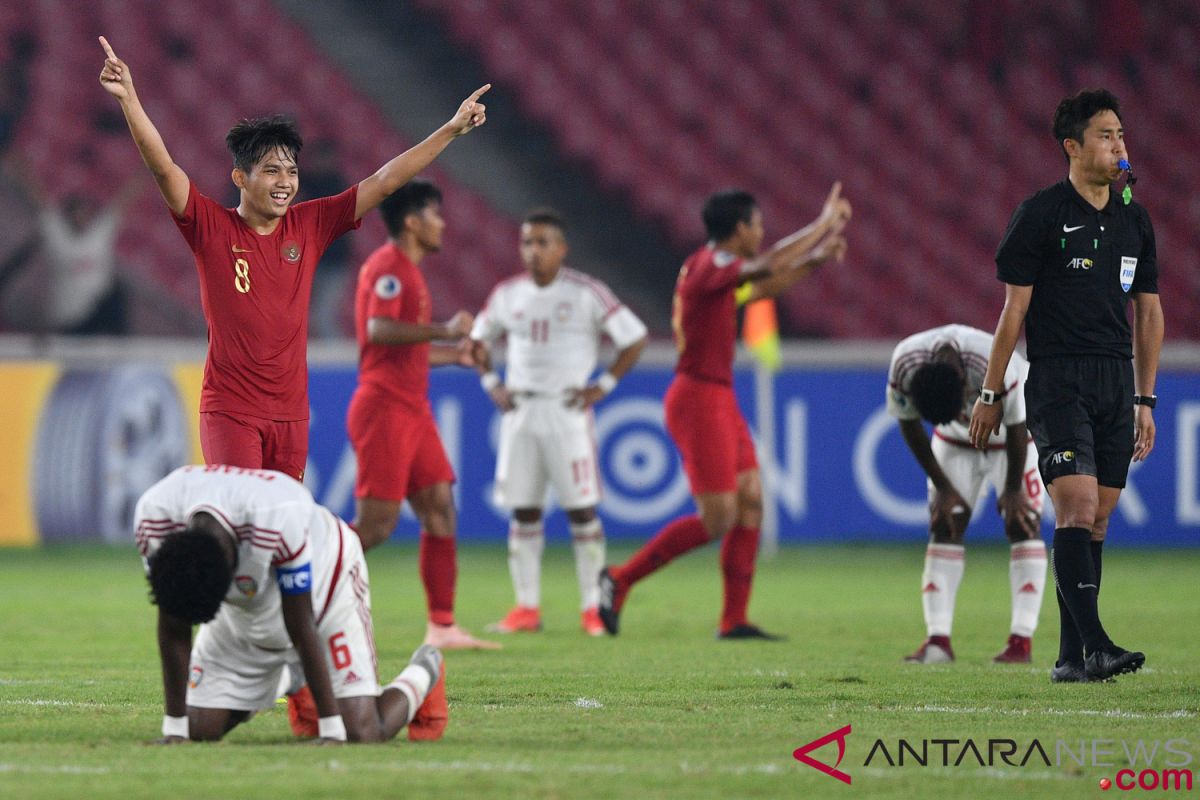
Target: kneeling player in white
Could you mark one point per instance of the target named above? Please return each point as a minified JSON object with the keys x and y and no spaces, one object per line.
{"x":553,"y":318}
{"x":280,"y":586}
{"x":937,"y":375}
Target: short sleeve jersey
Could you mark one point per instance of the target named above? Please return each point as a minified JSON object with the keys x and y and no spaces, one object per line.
{"x":390,"y":286}
{"x":974,"y":347}
{"x":704,"y":314}
{"x":255,"y":291}
{"x":1083,"y":265}
{"x":554,"y":331}
{"x":271,"y":516}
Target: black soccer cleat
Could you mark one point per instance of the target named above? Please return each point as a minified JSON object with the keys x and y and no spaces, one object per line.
{"x":1104,"y":664}
{"x":748,"y":631}
{"x":1069,"y":672}
{"x":610,"y":612}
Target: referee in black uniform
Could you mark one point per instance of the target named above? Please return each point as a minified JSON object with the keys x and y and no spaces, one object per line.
{"x":1072,"y":257}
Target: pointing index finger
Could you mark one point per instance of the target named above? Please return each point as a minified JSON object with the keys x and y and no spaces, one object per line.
{"x":478,"y":92}
{"x":107,"y":48}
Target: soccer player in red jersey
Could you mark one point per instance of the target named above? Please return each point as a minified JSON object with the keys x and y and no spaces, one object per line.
{"x":400,"y":455}
{"x":702,"y":414}
{"x":256,"y":265}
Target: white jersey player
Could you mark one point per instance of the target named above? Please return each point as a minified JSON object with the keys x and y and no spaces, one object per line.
{"x":937,"y":376}
{"x":553,"y":318}
{"x":281,"y":587}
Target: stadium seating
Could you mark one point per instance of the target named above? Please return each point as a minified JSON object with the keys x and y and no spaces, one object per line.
{"x":183,"y":56}
{"x":673,"y":99}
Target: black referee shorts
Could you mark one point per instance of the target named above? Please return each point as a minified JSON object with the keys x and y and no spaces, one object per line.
{"x":1080,"y":412}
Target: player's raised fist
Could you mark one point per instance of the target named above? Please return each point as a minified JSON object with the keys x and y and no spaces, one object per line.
{"x":471,"y":114}
{"x":115,"y":76}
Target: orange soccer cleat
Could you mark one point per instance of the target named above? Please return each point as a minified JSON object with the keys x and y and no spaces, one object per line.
{"x":522,"y":619}
{"x":302,"y":712}
{"x":590,"y":620}
{"x":430,"y":721}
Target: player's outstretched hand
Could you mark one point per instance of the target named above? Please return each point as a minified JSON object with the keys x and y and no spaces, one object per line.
{"x":459,"y":325}
{"x":471,"y":114}
{"x":115,"y":77}
{"x":833,"y":246}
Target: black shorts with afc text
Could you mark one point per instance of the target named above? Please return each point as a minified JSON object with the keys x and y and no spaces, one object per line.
{"x":1079,"y":410}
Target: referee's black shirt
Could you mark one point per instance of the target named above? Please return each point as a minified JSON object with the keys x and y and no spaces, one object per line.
{"x":1074,"y":256}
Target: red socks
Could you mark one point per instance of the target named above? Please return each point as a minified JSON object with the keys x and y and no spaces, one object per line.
{"x":438,"y":562}
{"x":676,"y":538}
{"x":739,"y":550}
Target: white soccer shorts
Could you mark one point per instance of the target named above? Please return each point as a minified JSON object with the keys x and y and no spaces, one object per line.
{"x":229,"y":671}
{"x":544,"y":443}
{"x":972,"y":472}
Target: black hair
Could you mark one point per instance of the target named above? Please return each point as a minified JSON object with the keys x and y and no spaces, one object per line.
{"x":546,"y":216}
{"x":411,"y":198}
{"x":1073,"y":113}
{"x":724,"y":210}
{"x":252,"y":139}
{"x":190,"y":575}
{"x":937,"y":392}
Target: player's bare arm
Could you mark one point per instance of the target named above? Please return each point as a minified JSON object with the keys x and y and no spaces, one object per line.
{"x":948,"y":510}
{"x":174,"y":651}
{"x":774,"y":284}
{"x":788,"y":250}
{"x":594,"y":392}
{"x":301,"y":627}
{"x":985,"y":419}
{"x":1013,"y":501}
{"x":117,"y":80}
{"x":451,"y":355}
{"x":1147,"y":345}
{"x":401,"y":169}
{"x":384,"y":330}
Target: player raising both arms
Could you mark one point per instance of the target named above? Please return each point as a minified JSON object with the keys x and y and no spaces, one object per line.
{"x":256,"y":266}
{"x":702,"y":413}
{"x":277,"y":583}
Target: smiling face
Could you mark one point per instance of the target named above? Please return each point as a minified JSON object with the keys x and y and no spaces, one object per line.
{"x":269,"y":187}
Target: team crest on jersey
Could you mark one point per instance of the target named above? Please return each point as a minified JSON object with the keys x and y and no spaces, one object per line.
{"x":562,"y":312}
{"x":246,"y":585}
{"x":387,"y":287}
{"x":723,"y":258}
{"x":290,"y":251}
{"x":196,"y":676}
{"x":1128,"y":269}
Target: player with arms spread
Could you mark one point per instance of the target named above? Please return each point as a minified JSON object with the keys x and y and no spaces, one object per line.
{"x":277,"y":583}
{"x":936,"y":375}
{"x":702,"y":413}
{"x":256,"y":265}
{"x":553,"y":318}
{"x":395,"y":437}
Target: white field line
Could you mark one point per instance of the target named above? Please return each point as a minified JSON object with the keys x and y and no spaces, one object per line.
{"x":61,"y":769}
{"x":1114,"y":713}
{"x":587,"y":702}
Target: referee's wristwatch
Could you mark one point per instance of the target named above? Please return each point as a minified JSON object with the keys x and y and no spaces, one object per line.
{"x":1147,"y":400}
{"x":989,"y":396}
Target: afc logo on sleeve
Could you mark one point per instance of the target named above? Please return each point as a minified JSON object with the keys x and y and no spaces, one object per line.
{"x":296,"y":580}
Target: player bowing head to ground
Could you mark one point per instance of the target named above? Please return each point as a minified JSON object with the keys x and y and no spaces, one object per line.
{"x":936,"y":375}
{"x":391,"y":425}
{"x":553,"y":318}
{"x":280,"y":590}
{"x":256,"y":265}
{"x":702,"y":413}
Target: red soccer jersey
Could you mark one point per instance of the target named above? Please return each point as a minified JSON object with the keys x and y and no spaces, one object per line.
{"x":391,"y":286}
{"x":255,"y":292}
{"x":704,"y":314}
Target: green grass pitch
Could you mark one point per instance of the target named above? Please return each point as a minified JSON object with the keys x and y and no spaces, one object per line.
{"x":664,"y":710}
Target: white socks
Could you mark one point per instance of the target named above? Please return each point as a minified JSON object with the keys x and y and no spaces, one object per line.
{"x":1027,"y":577}
{"x":939,"y":586}
{"x":526,"y":540}
{"x":414,"y":683}
{"x":588,"y":541}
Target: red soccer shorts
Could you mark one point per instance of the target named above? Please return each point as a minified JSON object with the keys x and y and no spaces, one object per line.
{"x":398,"y":447}
{"x":240,"y":440}
{"x":706,"y":424}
